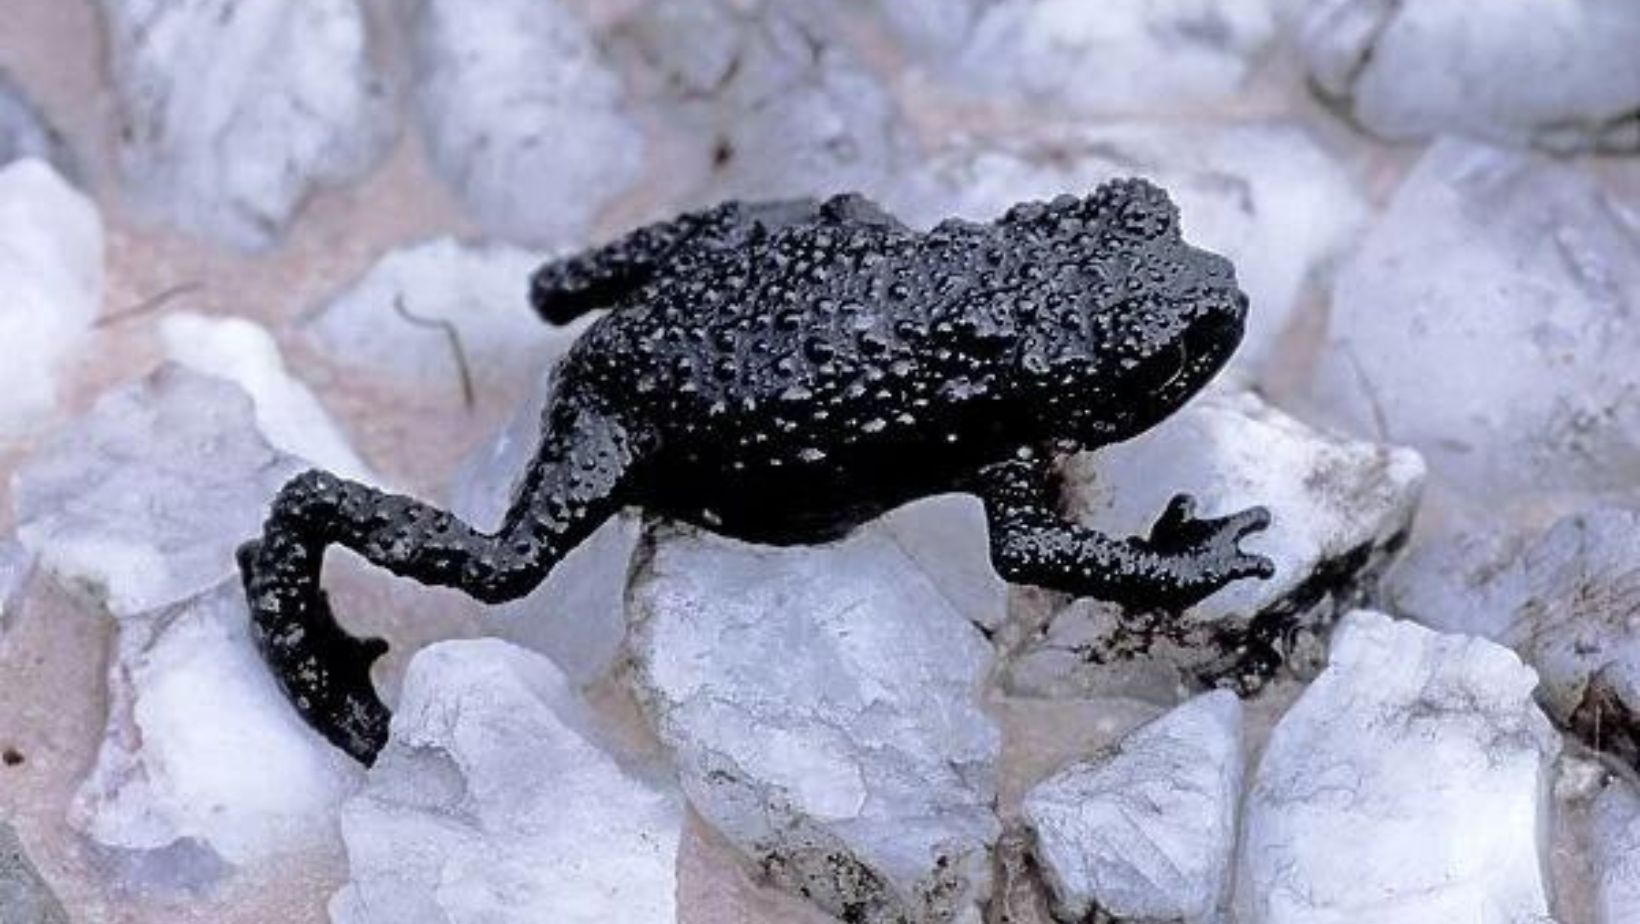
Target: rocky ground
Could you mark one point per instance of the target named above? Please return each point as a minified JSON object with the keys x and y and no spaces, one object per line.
{"x":241,"y":237}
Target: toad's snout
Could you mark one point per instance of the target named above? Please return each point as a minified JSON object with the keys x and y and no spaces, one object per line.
{"x":1215,"y":278}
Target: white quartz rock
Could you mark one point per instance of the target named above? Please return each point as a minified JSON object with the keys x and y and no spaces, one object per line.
{"x":496,"y":801}
{"x":1616,"y":851}
{"x":1560,"y":75}
{"x":1565,"y":600}
{"x":1117,"y":56}
{"x":1408,"y":784}
{"x":1339,"y":510}
{"x":1502,"y":283}
{"x":204,"y":760}
{"x":776,"y":102}
{"x":396,"y":321}
{"x":204,"y":765}
{"x":1146,"y":830}
{"x":142,"y":501}
{"x":287,"y":412}
{"x":523,"y":116}
{"x":949,"y":539}
{"x":821,"y":705}
{"x":1264,"y":194}
{"x":51,"y":271}
{"x":577,"y":616}
{"x":233,"y":111}
{"x":24,"y":133}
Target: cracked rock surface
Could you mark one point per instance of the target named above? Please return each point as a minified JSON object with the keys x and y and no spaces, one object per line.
{"x":499,"y":799}
{"x":197,"y":730}
{"x":140,"y":503}
{"x":1146,"y":831}
{"x":773,"y":102}
{"x":1406,"y":785}
{"x":1563,"y":600}
{"x":233,"y":111}
{"x":1414,"y":69}
{"x":820,"y":704}
{"x":1516,"y":273}
{"x":523,"y":116}
{"x":288,"y":414}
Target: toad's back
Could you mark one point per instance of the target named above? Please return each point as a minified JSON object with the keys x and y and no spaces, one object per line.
{"x":827,"y":371}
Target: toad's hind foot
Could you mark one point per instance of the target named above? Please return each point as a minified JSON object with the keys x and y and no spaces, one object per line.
{"x":573,"y":486}
{"x":324,"y":671}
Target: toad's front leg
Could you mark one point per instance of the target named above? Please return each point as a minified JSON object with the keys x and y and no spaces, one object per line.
{"x":1183,"y":560}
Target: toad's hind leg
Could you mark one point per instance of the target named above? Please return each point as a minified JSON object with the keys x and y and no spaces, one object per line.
{"x":578,"y":479}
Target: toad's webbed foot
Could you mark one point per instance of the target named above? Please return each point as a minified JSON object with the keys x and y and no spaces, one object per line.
{"x":574,"y":485}
{"x":1182,"y":561}
{"x":1205,"y":553}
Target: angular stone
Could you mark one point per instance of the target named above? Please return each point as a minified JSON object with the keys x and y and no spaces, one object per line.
{"x":396,"y":322}
{"x":523,"y":116}
{"x":1147,"y":830}
{"x":1116,"y":56}
{"x":141,"y":502}
{"x":204,"y":762}
{"x":1340,"y":509}
{"x":496,"y":800}
{"x":1265,"y":194}
{"x":1501,"y":283}
{"x":1414,"y":69}
{"x":51,"y":271}
{"x":774,"y":102}
{"x":287,"y":412}
{"x":821,"y":706}
{"x":1406,"y":785}
{"x":204,"y":765}
{"x":1564,"y":600}
{"x":947,"y":536}
{"x":233,"y":111}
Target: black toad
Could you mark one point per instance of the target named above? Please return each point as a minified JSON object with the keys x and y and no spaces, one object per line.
{"x":781,"y":372}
